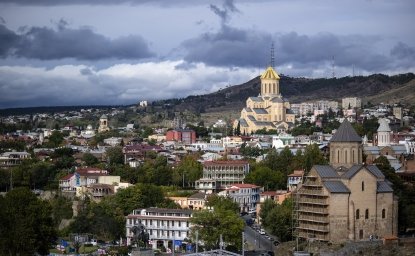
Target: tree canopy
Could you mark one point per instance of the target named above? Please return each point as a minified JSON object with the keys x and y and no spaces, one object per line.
{"x":25,"y":223}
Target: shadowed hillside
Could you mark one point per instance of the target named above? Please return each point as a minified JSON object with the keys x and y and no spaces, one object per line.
{"x":376,"y":88}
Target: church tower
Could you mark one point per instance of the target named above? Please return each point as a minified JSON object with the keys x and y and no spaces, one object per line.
{"x":103,"y":124}
{"x":345,"y":147}
{"x":270,"y":83}
{"x":384,"y":133}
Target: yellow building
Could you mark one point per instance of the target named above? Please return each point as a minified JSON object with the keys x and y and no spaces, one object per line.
{"x":269,"y":110}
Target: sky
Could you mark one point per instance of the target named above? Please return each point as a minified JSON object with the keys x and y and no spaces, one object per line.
{"x":111,"y":52}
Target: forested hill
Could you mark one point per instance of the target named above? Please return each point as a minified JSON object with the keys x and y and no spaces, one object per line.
{"x":304,"y":89}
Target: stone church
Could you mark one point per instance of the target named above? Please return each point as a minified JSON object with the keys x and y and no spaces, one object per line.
{"x":346,"y":200}
{"x":269,"y":110}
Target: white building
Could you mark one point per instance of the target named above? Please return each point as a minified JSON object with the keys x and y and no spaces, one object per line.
{"x":351,"y":102}
{"x":246,"y":195}
{"x":113,"y":141}
{"x":163,"y":225}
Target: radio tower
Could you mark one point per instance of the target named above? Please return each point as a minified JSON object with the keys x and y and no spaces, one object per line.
{"x":332,"y":67}
{"x":272,"y":64}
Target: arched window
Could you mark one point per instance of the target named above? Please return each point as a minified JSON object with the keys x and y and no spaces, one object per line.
{"x":345,"y":156}
{"x":338,"y":156}
{"x":363,"y":186}
{"x":367,"y":214}
{"x":353,"y":155}
{"x":383,"y":213}
{"x":357,"y":214}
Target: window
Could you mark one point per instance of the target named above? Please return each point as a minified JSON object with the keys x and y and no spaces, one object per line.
{"x":367,"y":214}
{"x":357,"y":214}
{"x":363,"y":186}
{"x":383,"y":213}
{"x":361,"y":234}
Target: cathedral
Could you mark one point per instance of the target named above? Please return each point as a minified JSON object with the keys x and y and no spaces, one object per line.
{"x":348,"y":199}
{"x":269,"y":110}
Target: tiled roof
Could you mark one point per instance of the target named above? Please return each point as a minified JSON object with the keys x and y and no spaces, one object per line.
{"x":326,"y":171}
{"x":336,"y":187}
{"x":67,"y":177}
{"x":383,"y":187}
{"x":225,"y":163}
{"x":346,"y":133}
{"x":238,"y":185}
{"x":199,"y":195}
{"x":248,"y":109}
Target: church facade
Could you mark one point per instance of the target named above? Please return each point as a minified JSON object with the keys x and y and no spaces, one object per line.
{"x":346,"y":200}
{"x":269,"y":110}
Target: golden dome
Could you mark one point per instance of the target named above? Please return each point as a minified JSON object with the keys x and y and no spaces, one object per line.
{"x":270,"y":74}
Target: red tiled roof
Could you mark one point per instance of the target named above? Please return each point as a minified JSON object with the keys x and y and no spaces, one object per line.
{"x":232,"y":163}
{"x":89,"y":171}
{"x":245,"y":185}
{"x":67,"y":177}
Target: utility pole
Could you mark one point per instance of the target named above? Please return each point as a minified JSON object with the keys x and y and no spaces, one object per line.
{"x":243,"y":243}
{"x":197,"y":241}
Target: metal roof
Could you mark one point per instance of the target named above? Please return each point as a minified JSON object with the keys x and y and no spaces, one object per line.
{"x":252,"y":118}
{"x":346,"y":133}
{"x":356,"y":168}
{"x":260,"y":111}
{"x":243,"y":122}
{"x":277,"y":100}
{"x":257,"y":99}
{"x":375,"y":171}
{"x":383,"y":187}
{"x":383,"y":125}
{"x":248,"y":109}
{"x":326,"y":171}
{"x":336,"y":187}
{"x":352,"y":171}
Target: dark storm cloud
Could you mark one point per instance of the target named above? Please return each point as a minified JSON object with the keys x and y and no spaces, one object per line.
{"x":229,"y":47}
{"x":225,"y":12}
{"x":101,"y":2}
{"x":83,"y":44}
{"x":248,"y":48}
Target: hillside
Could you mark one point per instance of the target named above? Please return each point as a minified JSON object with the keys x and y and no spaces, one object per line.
{"x":374,"y":88}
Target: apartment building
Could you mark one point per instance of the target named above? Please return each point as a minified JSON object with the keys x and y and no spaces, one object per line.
{"x":164,"y":226}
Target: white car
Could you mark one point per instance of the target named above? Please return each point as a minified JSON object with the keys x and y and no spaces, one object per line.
{"x":262,"y":232}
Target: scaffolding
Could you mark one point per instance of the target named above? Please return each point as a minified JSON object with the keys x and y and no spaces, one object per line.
{"x":310,"y":213}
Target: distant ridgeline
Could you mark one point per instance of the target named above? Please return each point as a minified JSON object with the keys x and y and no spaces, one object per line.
{"x":51,"y":109}
{"x":296,"y":90}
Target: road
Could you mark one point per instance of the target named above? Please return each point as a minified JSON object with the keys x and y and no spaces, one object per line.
{"x":257,"y":241}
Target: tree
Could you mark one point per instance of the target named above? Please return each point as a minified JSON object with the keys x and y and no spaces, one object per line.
{"x":279,"y":220}
{"x":115,"y":155}
{"x":188,"y":171}
{"x":267,"y":178}
{"x":25,"y":223}
{"x":55,"y":139}
{"x":223,"y":220}
{"x":89,"y":159}
{"x":313,"y":156}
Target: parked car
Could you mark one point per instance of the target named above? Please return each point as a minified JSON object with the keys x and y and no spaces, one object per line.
{"x":262,"y":231}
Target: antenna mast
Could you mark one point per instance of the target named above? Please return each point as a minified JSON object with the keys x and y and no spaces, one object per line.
{"x":332,"y":67}
{"x":272,"y":64}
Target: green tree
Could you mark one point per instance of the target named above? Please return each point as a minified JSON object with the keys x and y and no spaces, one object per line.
{"x":223,"y":220}
{"x":55,"y":139}
{"x":313,"y":156}
{"x":265,"y":177}
{"x":89,"y":159}
{"x":25,"y":224}
{"x":279,"y":220}
{"x":115,"y":155}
